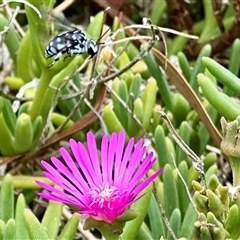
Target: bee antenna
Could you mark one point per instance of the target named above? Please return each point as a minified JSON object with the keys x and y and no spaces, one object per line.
{"x":98,"y":41}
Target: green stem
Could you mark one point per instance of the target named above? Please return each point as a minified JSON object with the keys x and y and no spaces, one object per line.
{"x":235,"y":164}
{"x":108,"y":233}
{"x":38,"y":100}
{"x":27,"y":182}
{"x":49,"y":83}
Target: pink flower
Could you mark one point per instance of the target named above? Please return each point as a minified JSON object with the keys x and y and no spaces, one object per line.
{"x":104,"y":185}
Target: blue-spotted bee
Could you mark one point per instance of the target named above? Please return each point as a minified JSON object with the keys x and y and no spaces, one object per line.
{"x":71,"y":42}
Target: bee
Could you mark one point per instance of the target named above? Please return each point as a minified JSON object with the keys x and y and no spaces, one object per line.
{"x":71,"y":42}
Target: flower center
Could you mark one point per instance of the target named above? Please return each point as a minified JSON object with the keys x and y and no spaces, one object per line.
{"x":104,"y":195}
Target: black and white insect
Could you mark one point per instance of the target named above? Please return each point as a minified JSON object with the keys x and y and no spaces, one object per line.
{"x":71,"y":42}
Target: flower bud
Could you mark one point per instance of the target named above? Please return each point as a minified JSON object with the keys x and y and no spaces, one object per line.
{"x":230,"y":146}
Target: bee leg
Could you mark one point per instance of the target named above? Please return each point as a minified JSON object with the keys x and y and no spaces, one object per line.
{"x":57,"y":57}
{"x":73,"y":51}
{"x":67,"y":57}
{"x":69,"y":54}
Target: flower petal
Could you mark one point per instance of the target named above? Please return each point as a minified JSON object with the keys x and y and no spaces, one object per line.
{"x":119,"y":153}
{"x":56,"y":177}
{"x":136,"y":158}
{"x":104,"y":158}
{"x":144,"y":184}
{"x":81,"y":185}
{"x":125,"y":160}
{"x":81,"y":155}
{"x":92,"y":149}
{"x":58,"y":194}
{"x":85,"y":164}
{"x":73,"y":165}
{"x":111,"y":156}
{"x":143,"y":169}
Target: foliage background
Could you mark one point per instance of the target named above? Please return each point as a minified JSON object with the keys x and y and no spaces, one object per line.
{"x":195,"y":86}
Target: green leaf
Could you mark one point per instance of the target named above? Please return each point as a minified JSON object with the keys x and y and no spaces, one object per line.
{"x":112,"y":122}
{"x":223,"y":75}
{"x":122,"y":112}
{"x":9,"y":115}
{"x":10,"y":230}
{"x":175,"y":223}
{"x":184,"y":65}
{"x":170,"y":193}
{"x":7,"y":199}
{"x":184,"y":133}
{"x":24,"y":66}
{"x":155,"y":219}
{"x":35,"y":230}
{"x":232,"y":222}
{"x":182,"y":192}
{"x":198,"y":66}
{"x":226,"y":106}
{"x":2,"y":228}
{"x":131,"y":229}
{"x":94,"y":28}
{"x":162,"y":83}
{"x":148,"y":99}
{"x":70,"y":228}
{"x":23,"y":133}
{"x":188,"y":221}
{"x":12,"y":40}
{"x":144,"y":233}
{"x":21,"y":228}
{"x":161,"y":146}
{"x":6,"y":138}
{"x":52,"y":218}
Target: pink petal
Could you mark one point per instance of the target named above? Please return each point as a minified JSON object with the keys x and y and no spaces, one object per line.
{"x":119,"y":154}
{"x":104,"y":158}
{"x":92,"y":149}
{"x":85,"y":164}
{"x":125,"y":160}
{"x":134,"y":164}
{"x":144,"y":184}
{"x":72,"y":165}
{"x":81,"y":185}
{"x":111,"y":155}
